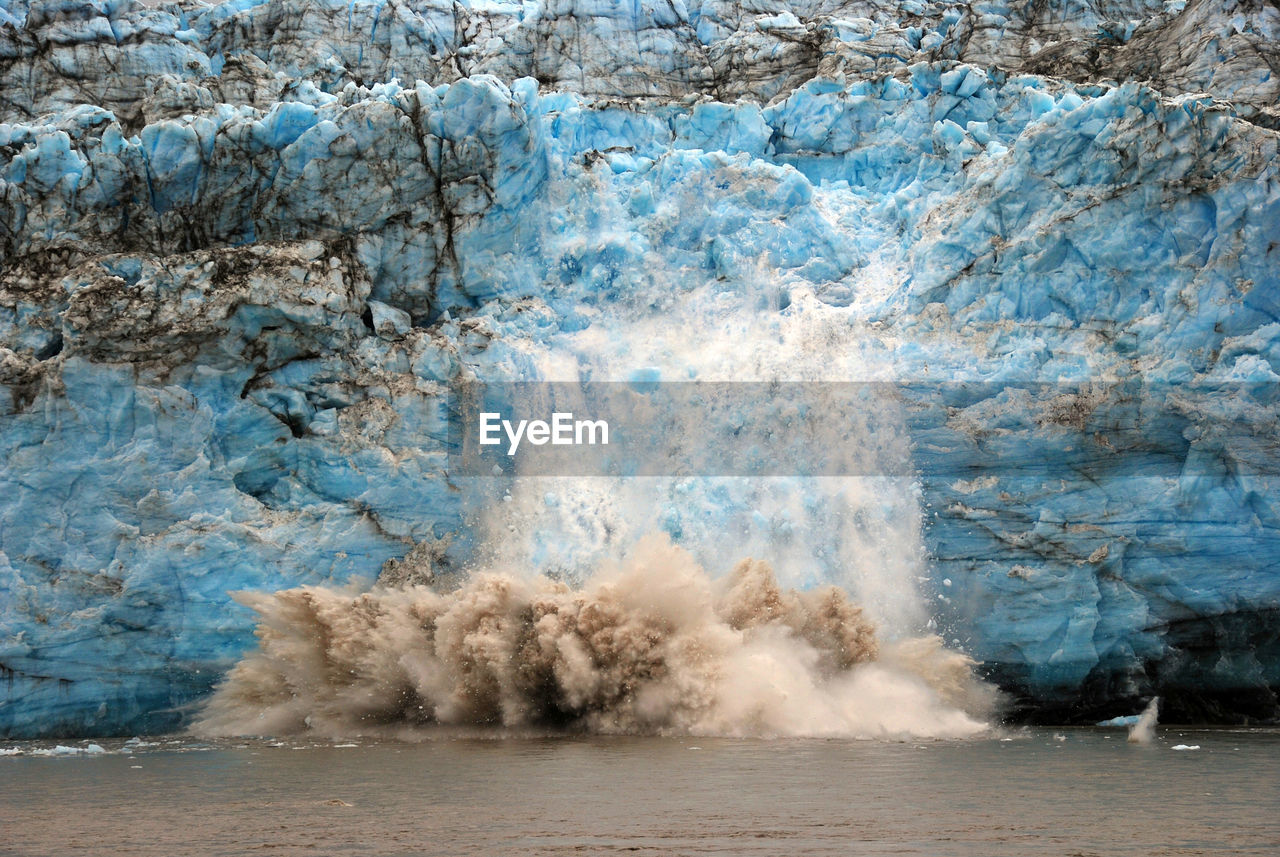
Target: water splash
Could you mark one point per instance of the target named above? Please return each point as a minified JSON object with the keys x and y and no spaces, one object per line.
{"x":652,"y":645}
{"x":862,"y":533}
{"x":1144,"y":731}
{"x":820,"y":635}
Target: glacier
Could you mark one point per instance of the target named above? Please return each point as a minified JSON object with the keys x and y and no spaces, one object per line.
{"x":247,"y":248}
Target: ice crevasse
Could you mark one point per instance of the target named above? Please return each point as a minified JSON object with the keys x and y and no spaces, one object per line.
{"x":246,"y":249}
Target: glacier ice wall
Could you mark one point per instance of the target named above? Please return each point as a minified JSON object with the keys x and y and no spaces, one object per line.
{"x":245,"y":248}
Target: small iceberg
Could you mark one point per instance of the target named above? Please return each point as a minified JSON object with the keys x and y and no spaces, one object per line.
{"x":63,"y":750}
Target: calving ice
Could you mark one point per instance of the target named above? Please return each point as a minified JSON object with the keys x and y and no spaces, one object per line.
{"x":379,"y":377}
{"x":254,"y":375}
{"x":563,"y":430}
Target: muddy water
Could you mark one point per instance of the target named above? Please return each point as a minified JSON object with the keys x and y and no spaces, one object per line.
{"x":1021,"y":793}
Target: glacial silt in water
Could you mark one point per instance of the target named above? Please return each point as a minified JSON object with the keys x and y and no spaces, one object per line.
{"x":1024,"y":794}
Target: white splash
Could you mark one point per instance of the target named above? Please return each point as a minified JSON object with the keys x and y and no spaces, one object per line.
{"x":860,"y":532}
{"x":650,"y":641}
{"x":1144,"y":731}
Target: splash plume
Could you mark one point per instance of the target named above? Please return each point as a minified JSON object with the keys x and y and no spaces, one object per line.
{"x":1144,"y":731}
{"x":653,"y":645}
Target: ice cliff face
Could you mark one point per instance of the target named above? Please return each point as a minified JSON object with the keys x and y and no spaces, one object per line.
{"x":246,"y":248}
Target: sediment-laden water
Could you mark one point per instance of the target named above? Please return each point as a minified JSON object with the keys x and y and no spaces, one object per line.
{"x":1038,"y":792}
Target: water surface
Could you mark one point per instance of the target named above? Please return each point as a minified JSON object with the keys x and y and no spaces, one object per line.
{"x":1069,"y":792}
